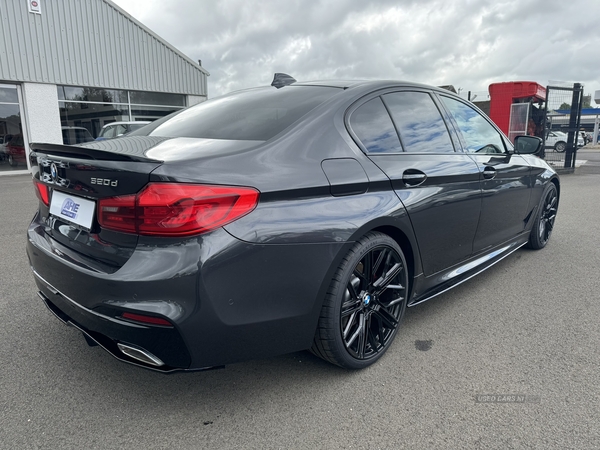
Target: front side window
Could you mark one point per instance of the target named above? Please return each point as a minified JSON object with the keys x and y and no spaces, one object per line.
{"x":374,"y":128}
{"x":108,"y":132}
{"x":419,"y":122}
{"x":479,"y":136}
{"x":120,"y":130}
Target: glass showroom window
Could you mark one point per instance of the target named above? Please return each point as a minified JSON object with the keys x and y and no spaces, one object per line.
{"x":92,"y":108}
{"x":12,"y":145}
{"x":154,"y":105}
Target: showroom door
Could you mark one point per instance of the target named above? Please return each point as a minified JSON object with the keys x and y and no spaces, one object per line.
{"x":13,"y":135}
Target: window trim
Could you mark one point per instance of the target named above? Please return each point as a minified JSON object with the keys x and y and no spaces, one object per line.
{"x":122,"y":104}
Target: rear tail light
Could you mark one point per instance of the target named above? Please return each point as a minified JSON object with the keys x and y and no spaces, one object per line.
{"x":172,"y":209}
{"x":118,"y":213}
{"x":42,"y":192}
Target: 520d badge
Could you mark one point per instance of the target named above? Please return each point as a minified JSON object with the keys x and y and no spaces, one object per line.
{"x":104,"y":182}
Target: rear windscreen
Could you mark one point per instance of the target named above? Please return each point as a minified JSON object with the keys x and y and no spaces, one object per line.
{"x":256,"y":114}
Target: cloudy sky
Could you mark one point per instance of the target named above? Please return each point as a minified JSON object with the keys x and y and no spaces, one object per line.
{"x":466,"y":43}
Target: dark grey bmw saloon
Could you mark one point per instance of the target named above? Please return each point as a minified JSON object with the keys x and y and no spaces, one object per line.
{"x":302,"y":215}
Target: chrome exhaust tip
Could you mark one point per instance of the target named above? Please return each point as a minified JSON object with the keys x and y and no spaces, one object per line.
{"x":140,"y":354}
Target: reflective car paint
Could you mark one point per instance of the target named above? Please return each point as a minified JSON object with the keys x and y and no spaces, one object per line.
{"x":255,"y":287}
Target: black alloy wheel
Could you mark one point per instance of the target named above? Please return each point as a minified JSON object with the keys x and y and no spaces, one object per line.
{"x":544,"y":222}
{"x":364,"y":305}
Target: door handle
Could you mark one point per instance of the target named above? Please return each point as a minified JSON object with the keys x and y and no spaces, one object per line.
{"x":489,"y":172}
{"x":413,"y":177}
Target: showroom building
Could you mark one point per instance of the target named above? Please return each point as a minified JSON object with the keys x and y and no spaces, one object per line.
{"x":69,"y":67}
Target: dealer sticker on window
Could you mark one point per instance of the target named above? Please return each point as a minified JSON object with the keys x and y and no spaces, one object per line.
{"x":73,"y":209}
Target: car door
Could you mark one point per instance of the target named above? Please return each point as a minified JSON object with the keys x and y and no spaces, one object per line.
{"x":505,"y":176}
{"x":404,"y":134}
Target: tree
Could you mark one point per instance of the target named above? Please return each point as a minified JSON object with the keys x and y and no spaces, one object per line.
{"x":587,"y":103}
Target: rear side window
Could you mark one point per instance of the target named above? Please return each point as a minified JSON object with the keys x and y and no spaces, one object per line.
{"x":72,"y":136}
{"x":136,"y":126}
{"x":374,"y":128}
{"x":83,"y":136}
{"x":419,"y":122}
{"x":256,"y":114}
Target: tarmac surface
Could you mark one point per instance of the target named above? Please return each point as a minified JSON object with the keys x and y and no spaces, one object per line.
{"x":509,"y":359}
{"x":591,"y":155}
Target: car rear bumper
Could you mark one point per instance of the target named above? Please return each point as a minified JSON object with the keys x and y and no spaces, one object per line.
{"x":228,"y":300}
{"x":119,"y":338}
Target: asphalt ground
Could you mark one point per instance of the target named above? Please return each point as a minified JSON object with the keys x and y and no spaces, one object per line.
{"x":509,"y":359}
{"x":591,"y":155}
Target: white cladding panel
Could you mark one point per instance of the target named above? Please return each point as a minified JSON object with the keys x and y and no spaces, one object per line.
{"x":43,"y":119}
{"x":91,"y":43}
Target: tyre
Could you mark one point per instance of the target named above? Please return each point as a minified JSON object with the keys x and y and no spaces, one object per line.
{"x":560,"y":146}
{"x":544,"y":220}
{"x":12,"y":161}
{"x":364,"y":305}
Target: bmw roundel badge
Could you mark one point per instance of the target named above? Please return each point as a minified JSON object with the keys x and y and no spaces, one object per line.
{"x":53,"y":172}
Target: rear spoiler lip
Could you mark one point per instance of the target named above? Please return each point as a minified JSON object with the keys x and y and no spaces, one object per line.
{"x":99,"y":155}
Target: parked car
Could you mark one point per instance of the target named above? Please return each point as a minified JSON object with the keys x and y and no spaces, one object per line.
{"x":273,"y":220}
{"x":76,"y":135}
{"x":117,"y":129}
{"x":558,"y":140}
{"x":14,"y":150}
{"x":3,"y":143}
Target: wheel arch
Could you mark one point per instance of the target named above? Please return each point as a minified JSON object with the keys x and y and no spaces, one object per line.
{"x":399,"y":230}
{"x":556,"y":183}
{"x":406,"y":246}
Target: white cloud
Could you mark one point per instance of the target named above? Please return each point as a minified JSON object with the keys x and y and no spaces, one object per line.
{"x":467,"y":43}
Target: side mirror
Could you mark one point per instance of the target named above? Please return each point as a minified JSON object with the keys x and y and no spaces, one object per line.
{"x":528,"y":145}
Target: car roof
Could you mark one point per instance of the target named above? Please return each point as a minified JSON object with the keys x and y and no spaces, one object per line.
{"x":366,"y":85}
{"x":142,"y":122}
{"x":344,"y":84}
{"x":369,"y":85}
{"x":74,"y":128}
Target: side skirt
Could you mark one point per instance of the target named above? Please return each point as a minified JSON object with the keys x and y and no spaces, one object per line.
{"x":444,"y":281}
